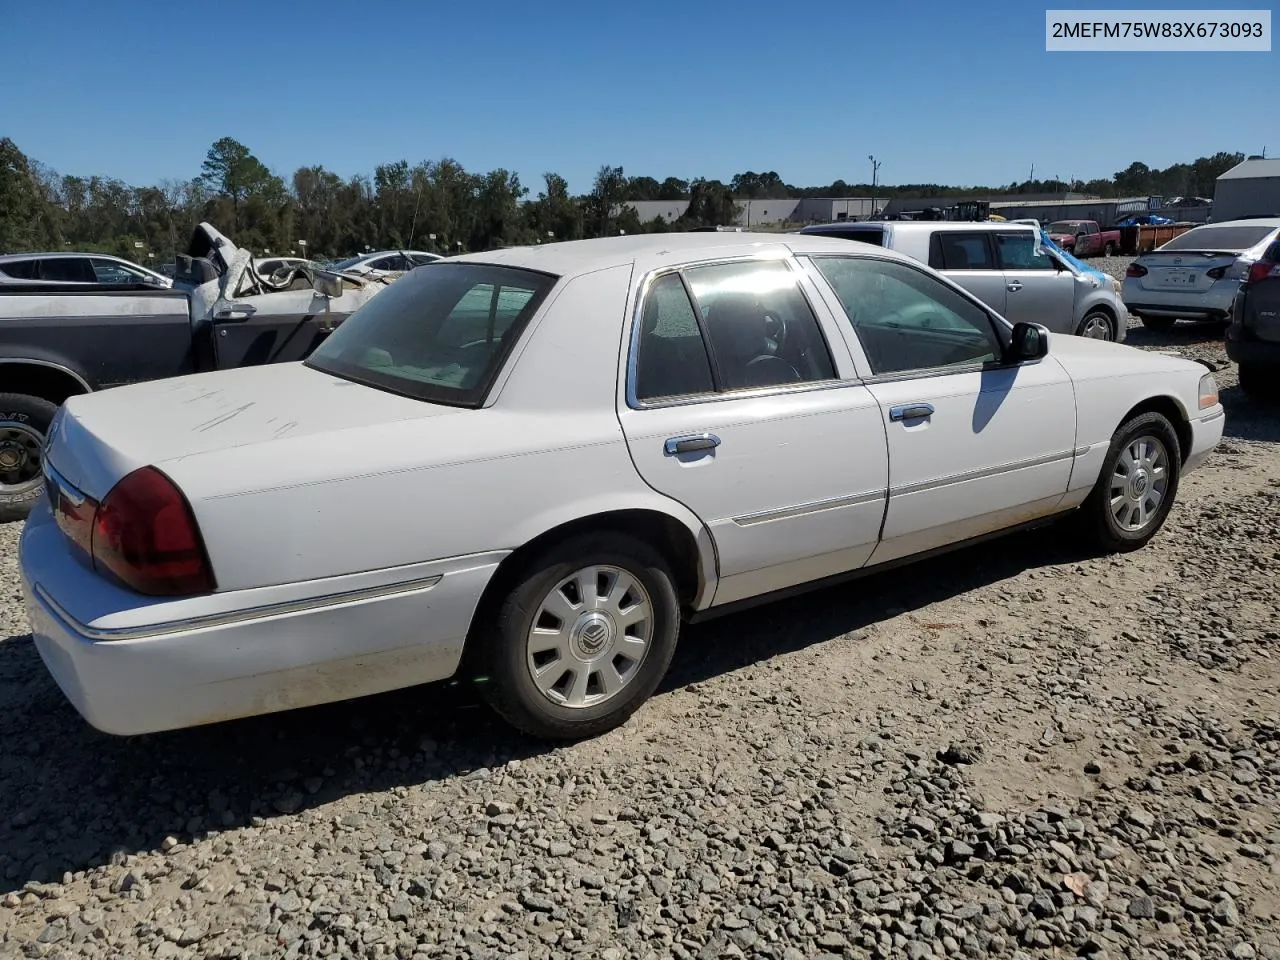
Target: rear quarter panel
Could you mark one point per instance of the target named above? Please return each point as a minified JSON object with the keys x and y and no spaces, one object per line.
{"x":548,"y":450}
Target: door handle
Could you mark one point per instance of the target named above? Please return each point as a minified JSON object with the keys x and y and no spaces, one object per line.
{"x":690,"y":444}
{"x":235,"y":310}
{"x":1014,"y":287}
{"x":911,"y":411}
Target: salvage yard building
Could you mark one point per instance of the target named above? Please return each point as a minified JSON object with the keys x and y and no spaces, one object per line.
{"x":1251,"y":188}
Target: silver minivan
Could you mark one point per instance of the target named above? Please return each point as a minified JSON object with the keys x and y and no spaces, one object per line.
{"x":1007,"y":267}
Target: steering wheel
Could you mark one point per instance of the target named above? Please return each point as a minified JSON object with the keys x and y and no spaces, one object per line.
{"x":767,"y":370}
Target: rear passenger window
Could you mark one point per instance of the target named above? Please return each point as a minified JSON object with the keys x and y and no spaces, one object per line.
{"x":747,"y":326}
{"x":67,"y":270}
{"x":1019,"y":251}
{"x":961,"y":251}
{"x":761,"y":329}
{"x":673,"y":360}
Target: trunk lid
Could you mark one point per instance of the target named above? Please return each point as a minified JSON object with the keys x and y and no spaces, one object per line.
{"x":1188,"y":270}
{"x":98,"y":438}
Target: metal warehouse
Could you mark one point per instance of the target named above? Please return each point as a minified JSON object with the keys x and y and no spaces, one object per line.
{"x":1250,"y":188}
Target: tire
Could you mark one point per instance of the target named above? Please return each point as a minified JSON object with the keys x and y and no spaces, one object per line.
{"x":1097,"y":325}
{"x":1110,"y":251}
{"x":577,"y":654}
{"x":1100,"y":520}
{"x":24,"y":423}
{"x":1159,"y":324}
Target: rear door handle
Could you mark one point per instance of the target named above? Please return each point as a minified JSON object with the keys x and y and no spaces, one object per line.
{"x":1014,"y":287}
{"x":234,"y":310}
{"x":911,"y":411}
{"x":690,"y":444}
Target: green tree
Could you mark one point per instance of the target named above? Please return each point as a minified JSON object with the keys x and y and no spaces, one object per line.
{"x":231,"y":171}
{"x":710,"y":205}
{"x":673,"y":188}
{"x":603,"y":203}
{"x":23,"y":211}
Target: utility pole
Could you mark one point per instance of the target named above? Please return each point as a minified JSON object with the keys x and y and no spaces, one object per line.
{"x":875,"y":168}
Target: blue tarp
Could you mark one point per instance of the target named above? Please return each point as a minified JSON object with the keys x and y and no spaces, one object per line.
{"x":1079,"y":266}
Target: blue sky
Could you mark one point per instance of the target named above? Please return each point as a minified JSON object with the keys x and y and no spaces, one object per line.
{"x":939,"y":92}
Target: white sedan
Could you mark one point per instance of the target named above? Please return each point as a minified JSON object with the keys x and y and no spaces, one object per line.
{"x":527,"y":467}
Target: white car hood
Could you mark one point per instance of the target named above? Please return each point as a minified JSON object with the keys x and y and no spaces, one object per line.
{"x":1086,"y":358}
{"x":100,"y":437}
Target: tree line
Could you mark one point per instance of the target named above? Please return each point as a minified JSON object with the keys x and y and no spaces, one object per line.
{"x":433,"y":205}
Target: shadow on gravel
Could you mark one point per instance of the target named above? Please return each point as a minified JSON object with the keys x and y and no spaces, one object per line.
{"x":72,"y":798}
{"x":1184,"y":333}
{"x":1247,"y":418}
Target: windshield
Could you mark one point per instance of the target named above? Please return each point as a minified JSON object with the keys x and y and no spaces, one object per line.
{"x":439,"y":335}
{"x":1233,"y":239}
{"x":1063,"y":226}
{"x":349,"y":263}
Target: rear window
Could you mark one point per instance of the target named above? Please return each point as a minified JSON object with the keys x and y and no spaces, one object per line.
{"x":875,"y":237}
{"x":1233,"y":239}
{"x":20,"y":269}
{"x":439,"y":335}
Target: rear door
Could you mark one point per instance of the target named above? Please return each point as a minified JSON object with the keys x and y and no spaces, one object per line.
{"x":67,"y":270}
{"x":968,"y":258}
{"x":737,"y":406}
{"x":1037,"y":290}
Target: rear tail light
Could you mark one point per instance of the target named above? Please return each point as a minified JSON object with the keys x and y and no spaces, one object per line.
{"x":1262,"y":269}
{"x":1217,"y":273}
{"x":145,"y":535}
{"x":1135,"y":270}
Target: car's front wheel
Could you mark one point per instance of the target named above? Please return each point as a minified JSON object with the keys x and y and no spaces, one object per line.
{"x":1136,"y":488}
{"x":582,"y":638}
{"x":1097,"y":326}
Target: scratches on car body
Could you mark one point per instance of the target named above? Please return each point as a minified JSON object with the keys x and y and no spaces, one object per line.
{"x":223,"y":418}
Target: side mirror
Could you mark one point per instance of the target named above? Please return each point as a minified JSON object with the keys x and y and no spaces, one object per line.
{"x":1030,"y":342}
{"x":329,"y":284}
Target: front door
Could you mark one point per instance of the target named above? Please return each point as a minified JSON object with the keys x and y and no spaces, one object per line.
{"x":737,"y":409}
{"x":272,"y":327}
{"x":1039,"y":290}
{"x":974,"y":446}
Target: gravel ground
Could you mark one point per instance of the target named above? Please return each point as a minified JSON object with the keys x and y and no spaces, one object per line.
{"x":1018,"y":751}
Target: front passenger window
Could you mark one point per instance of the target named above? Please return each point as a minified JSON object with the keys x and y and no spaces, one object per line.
{"x":907,"y":320}
{"x":1019,"y":251}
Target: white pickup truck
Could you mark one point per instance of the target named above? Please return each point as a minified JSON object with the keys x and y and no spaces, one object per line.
{"x":59,"y":340}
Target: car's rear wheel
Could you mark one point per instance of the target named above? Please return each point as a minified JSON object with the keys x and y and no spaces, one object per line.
{"x":1111,"y":249}
{"x":24,"y":423}
{"x":1137,"y":486}
{"x":1159,"y":324}
{"x":582,"y":639}
{"x":1097,"y":326}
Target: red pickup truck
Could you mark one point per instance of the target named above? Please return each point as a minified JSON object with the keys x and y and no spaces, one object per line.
{"x":1083,"y":238}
